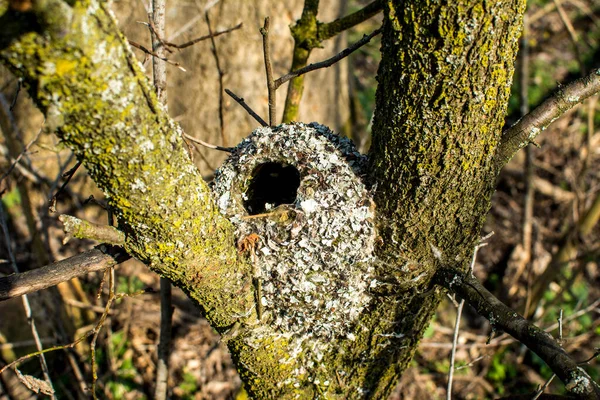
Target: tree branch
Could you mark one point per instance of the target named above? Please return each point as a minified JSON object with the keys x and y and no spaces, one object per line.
{"x":527,"y":128}
{"x":272,"y":89}
{"x":246,"y":107}
{"x":331,"y":29}
{"x":131,"y":149}
{"x":329,"y":62}
{"x":80,"y":229}
{"x":501,"y":317}
{"x":97,"y":259}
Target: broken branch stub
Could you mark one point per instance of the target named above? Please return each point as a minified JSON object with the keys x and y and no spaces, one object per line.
{"x":299,"y":189}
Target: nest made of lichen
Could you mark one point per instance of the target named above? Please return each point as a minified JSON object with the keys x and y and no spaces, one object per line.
{"x":315,"y":246}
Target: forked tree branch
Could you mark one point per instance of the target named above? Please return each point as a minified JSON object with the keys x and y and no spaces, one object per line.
{"x":527,"y":128}
{"x":97,"y":259}
{"x":501,"y":317}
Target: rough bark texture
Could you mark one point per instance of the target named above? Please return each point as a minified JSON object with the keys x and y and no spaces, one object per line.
{"x":443,"y":88}
{"x":84,"y":78}
{"x":444,"y":82}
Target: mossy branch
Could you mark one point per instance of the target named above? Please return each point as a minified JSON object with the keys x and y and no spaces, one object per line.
{"x":94,"y":93}
{"x":81,"y":229}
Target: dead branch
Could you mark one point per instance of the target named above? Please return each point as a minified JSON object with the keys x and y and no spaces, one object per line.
{"x":68,"y":176}
{"x":501,"y":317}
{"x":246,"y":107}
{"x":208,"y":145}
{"x":213,"y":45}
{"x":201,"y":38}
{"x":156,"y":20}
{"x":153,"y":54}
{"x":97,"y":259}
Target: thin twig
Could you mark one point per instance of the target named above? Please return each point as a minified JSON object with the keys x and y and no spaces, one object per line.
{"x":98,"y":328}
{"x":68,"y":176}
{"x":457,"y":323}
{"x":543,"y":388}
{"x":25,"y":150}
{"x":201,"y":38}
{"x":271,"y":87}
{"x":210,"y":146}
{"x":453,"y":353}
{"x":329,"y":62}
{"x":26,"y":304}
{"x":153,"y":54}
{"x":246,"y":107}
{"x":164,"y":343}
{"x":221,"y":74}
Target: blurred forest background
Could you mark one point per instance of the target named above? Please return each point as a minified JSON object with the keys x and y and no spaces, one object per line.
{"x":542,"y":260}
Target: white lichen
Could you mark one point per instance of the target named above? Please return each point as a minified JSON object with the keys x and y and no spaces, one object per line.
{"x":315,"y":254}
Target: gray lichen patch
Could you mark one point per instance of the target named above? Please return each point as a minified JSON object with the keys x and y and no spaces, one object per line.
{"x":312,"y":249}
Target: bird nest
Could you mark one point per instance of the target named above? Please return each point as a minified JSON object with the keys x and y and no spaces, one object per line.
{"x":295,"y":192}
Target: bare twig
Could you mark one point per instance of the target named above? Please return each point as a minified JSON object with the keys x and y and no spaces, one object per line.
{"x":543,"y":388}
{"x":153,"y":54}
{"x":329,"y":62}
{"x":271,"y":87}
{"x":205,"y":144}
{"x":97,"y":259}
{"x":457,"y":325}
{"x":68,"y":176}
{"x":96,"y":331}
{"x":164,"y":343}
{"x":201,"y":38}
{"x":576,"y":380}
{"x":26,"y":304}
{"x":221,"y":74}
{"x":572,"y":34}
{"x":453,"y":353}
{"x":527,"y":128}
{"x":25,"y":150}
{"x":246,"y":107}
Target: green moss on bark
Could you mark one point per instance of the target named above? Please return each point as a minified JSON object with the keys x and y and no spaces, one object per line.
{"x":98,"y":100}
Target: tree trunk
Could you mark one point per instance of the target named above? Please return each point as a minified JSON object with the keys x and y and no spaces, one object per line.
{"x":444,"y":83}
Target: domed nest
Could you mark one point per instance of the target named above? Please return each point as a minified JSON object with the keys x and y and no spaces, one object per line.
{"x":295,"y":192}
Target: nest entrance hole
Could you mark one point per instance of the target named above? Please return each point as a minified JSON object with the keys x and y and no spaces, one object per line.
{"x":271,"y":184}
